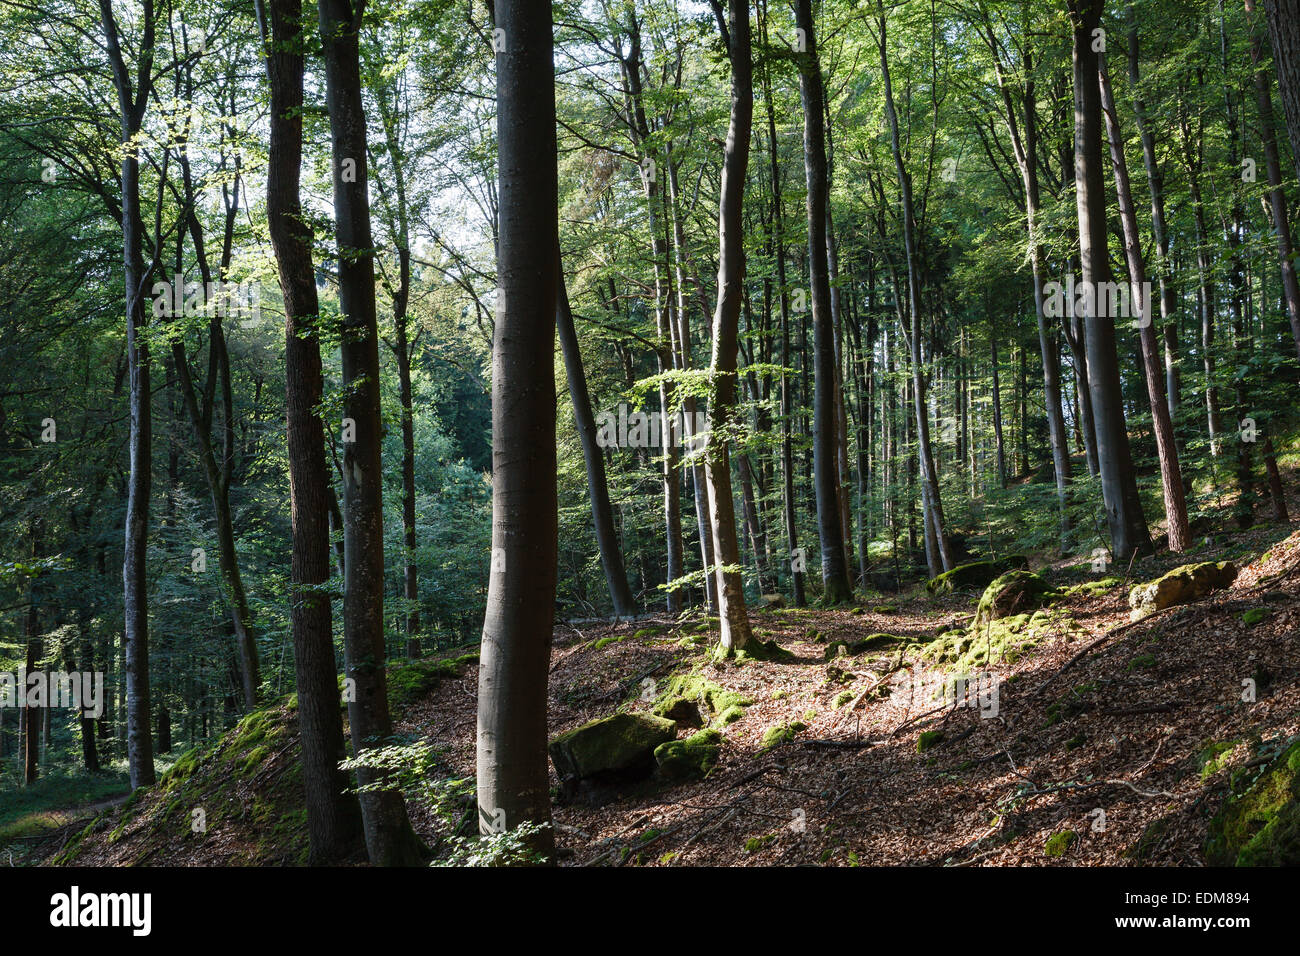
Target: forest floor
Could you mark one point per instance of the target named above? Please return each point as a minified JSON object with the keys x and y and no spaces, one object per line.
{"x":1125,"y":736}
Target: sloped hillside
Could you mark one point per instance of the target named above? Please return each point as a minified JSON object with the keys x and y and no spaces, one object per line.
{"x":1094,"y":739}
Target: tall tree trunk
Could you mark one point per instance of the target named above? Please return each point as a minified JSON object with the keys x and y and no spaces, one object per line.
{"x":1284,"y":33}
{"x":690,"y":406}
{"x":133,"y":99}
{"x":1128,"y":528}
{"x":333,"y":814}
{"x":1273,"y":167}
{"x":1171,"y":477}
{"x":513,"y":779}
{"x":734,"y":621}
{"x":1159,"y":230}
{"x":783,"y":298}
{"x":390,"y":841}
{"x":929,"y":476}
{"x":830,"y":528}
{"x":602,"y":513}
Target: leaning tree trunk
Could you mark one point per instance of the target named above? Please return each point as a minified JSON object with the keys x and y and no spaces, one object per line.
{"x":602,"y":512}
{"x":513,"y":780}
{"x":734,"y":622}
{"x":826,"y":481}
{"x":1159,"y":231}
{"x":1171,"y":476}
{"x":390,"y":841}
{"x":1128,"y":528}
{"x":333,"y":814}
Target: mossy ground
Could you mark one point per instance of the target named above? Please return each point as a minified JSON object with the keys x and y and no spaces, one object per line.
{"x":1259,"y":823}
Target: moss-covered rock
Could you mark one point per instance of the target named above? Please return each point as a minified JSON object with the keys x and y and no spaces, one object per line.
{"x":872,"y":642}
{"x":621,"y":743}
{"x":1255,"y":615}
{"x":688,"y":759}
{"x":975,"y":574}
{"x":1016,"y":592}
{"x":716,"y":704}
{"x":997,"y":642}
{"x":1260,"y":826}
{"x":781,"y":734}
{"x":1183,"y":585}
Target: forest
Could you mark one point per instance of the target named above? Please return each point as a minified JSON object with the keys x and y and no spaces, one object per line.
{"x":649,"y":433}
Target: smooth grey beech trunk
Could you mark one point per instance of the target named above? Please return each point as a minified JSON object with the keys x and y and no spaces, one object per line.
{"x":513,"y":781}
{"x":940,"y":555}
{"x":1171,"y":477}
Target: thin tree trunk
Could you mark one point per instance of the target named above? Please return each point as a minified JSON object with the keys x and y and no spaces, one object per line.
{"x":826,"y":443}
{"x":1284,"y":33}
{"x":734,"y":622}
{"x":1171,"y":477}
{"x":1276,"y":194}
{"x":390,"y":841}
{"x":133,"y":98}
{"x":333,"y":814}
{"x":1128,"y":528}
{"x":929,"y":476}
{"x":602,"y":513}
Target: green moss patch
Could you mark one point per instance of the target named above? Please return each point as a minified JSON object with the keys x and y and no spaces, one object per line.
{"x":689,"y":759}
{"x":409,"y":681}
{"x":716,"y":703}
{"x":1058,"y":843}
{"x":1260,"y":826}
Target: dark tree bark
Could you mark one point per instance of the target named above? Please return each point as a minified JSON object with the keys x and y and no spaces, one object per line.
{"x":390,"y":841}
{"x":1171,"y":476}
{"x":1284,"y":33}
{"x":1159,"y":229}
{"x":513,"y":781}
{"x":1128,"y":528}
{"x":734,"y":627}
{"x":133,"y":100}
{"x":1273,"y":167}
{"x":826,"y":459}
{"x":602,"y":512}
{"x":333,"y":815}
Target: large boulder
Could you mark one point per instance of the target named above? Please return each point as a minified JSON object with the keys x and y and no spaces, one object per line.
{"x":1016,"y":592}
{"x":621,"y":746}
{"x":1182,"y":585}
{"x":975,"y":574}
